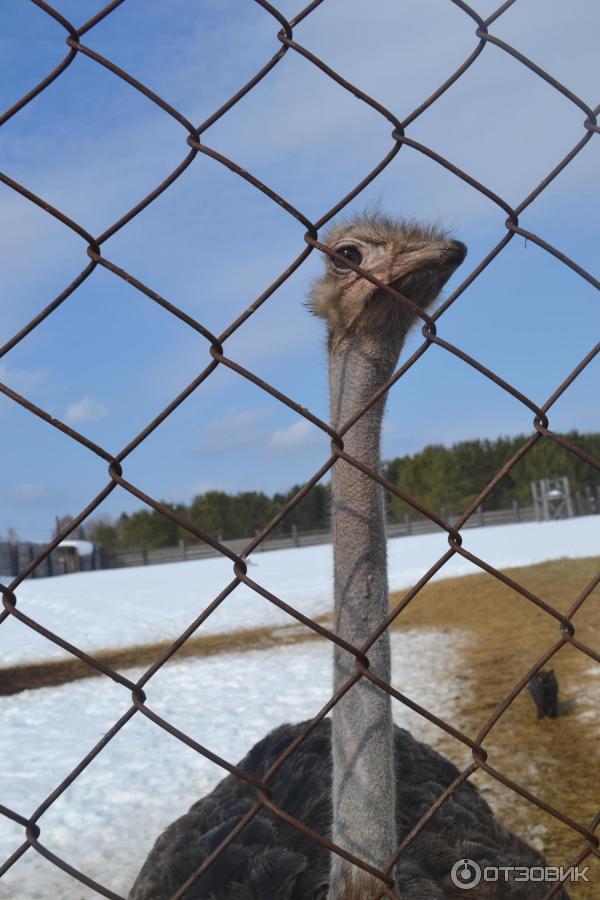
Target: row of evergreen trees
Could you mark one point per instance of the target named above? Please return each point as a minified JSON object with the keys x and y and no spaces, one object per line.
{"x":443,"y":478}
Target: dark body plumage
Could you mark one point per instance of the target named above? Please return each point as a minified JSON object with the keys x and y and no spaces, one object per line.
{"x":271,"y":860}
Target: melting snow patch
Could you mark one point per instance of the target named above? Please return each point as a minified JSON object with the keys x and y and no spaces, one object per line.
{"x":106,"y":822}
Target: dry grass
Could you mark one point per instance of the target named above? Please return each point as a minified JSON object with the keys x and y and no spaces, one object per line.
{"x":502,"y":636}
{"x":56,"y":672}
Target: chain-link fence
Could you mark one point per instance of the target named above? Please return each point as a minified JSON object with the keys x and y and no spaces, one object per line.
{"x":285,"y":41}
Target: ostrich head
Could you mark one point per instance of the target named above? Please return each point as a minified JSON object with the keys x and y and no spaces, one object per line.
{"x":414,"y":259}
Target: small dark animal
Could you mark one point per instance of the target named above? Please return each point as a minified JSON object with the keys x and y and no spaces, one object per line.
{"x":544,"y":690}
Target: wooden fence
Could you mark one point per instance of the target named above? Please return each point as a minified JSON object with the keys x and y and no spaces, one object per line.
{"x":15,"y":556}
{"x":185,"y":551}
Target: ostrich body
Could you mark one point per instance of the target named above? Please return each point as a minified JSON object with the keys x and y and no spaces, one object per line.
{"x":357,"y":779}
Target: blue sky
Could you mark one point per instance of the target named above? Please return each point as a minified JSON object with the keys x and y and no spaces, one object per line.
{"x":109,"y":359}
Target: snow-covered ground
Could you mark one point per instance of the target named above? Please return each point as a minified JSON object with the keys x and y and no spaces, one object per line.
{"x":118,"y":607}
{"x":108,"y":819}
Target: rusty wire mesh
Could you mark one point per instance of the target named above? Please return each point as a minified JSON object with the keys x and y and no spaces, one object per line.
{"x":285,"y":41}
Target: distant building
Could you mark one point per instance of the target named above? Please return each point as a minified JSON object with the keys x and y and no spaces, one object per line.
{"x":69,"y":556}
{"x":75,"y":556}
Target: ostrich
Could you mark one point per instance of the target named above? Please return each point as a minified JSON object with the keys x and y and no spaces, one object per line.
{"x":357,"y":779}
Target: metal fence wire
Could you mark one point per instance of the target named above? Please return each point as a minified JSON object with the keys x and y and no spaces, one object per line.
{"x":285,"y":42}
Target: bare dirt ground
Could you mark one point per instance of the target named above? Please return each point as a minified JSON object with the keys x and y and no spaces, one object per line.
{"x":502,"y":635}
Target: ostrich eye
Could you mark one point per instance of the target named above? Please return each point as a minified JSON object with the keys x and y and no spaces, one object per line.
{"x":350,"y":252}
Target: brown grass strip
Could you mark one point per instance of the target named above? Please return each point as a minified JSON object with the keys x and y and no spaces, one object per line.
{"x":55,"y":672}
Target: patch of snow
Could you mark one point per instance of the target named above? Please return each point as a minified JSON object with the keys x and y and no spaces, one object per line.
{"x":142,"y":604}
{"x":107,"y":821}
{"x":84,"y":548}
{"x":537,"y":836}
{"x":583,"y":695}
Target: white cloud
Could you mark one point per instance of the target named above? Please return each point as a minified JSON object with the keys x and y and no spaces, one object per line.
{"x":21,"y":380}
{"x":298,"y":436}
{"x":86,"y":410}
{"x":237,"y":428}
{"x":419,"y":44}
{"x":187,"y":494}
{"x":29,"y":493}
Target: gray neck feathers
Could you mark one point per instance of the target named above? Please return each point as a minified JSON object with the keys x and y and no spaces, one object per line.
{"x":362,"y":736}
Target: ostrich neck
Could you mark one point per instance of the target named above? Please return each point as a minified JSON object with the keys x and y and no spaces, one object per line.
{"x":362,"y":728}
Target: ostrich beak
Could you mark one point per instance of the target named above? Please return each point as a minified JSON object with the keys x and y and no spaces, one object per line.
{"x":442,"y":254}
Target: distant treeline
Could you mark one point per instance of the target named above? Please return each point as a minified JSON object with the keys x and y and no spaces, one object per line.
{"x":450,"y":478}
{"x":443,"y":478}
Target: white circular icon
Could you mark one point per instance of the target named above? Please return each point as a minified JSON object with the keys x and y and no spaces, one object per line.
{"x":465,"y":874}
